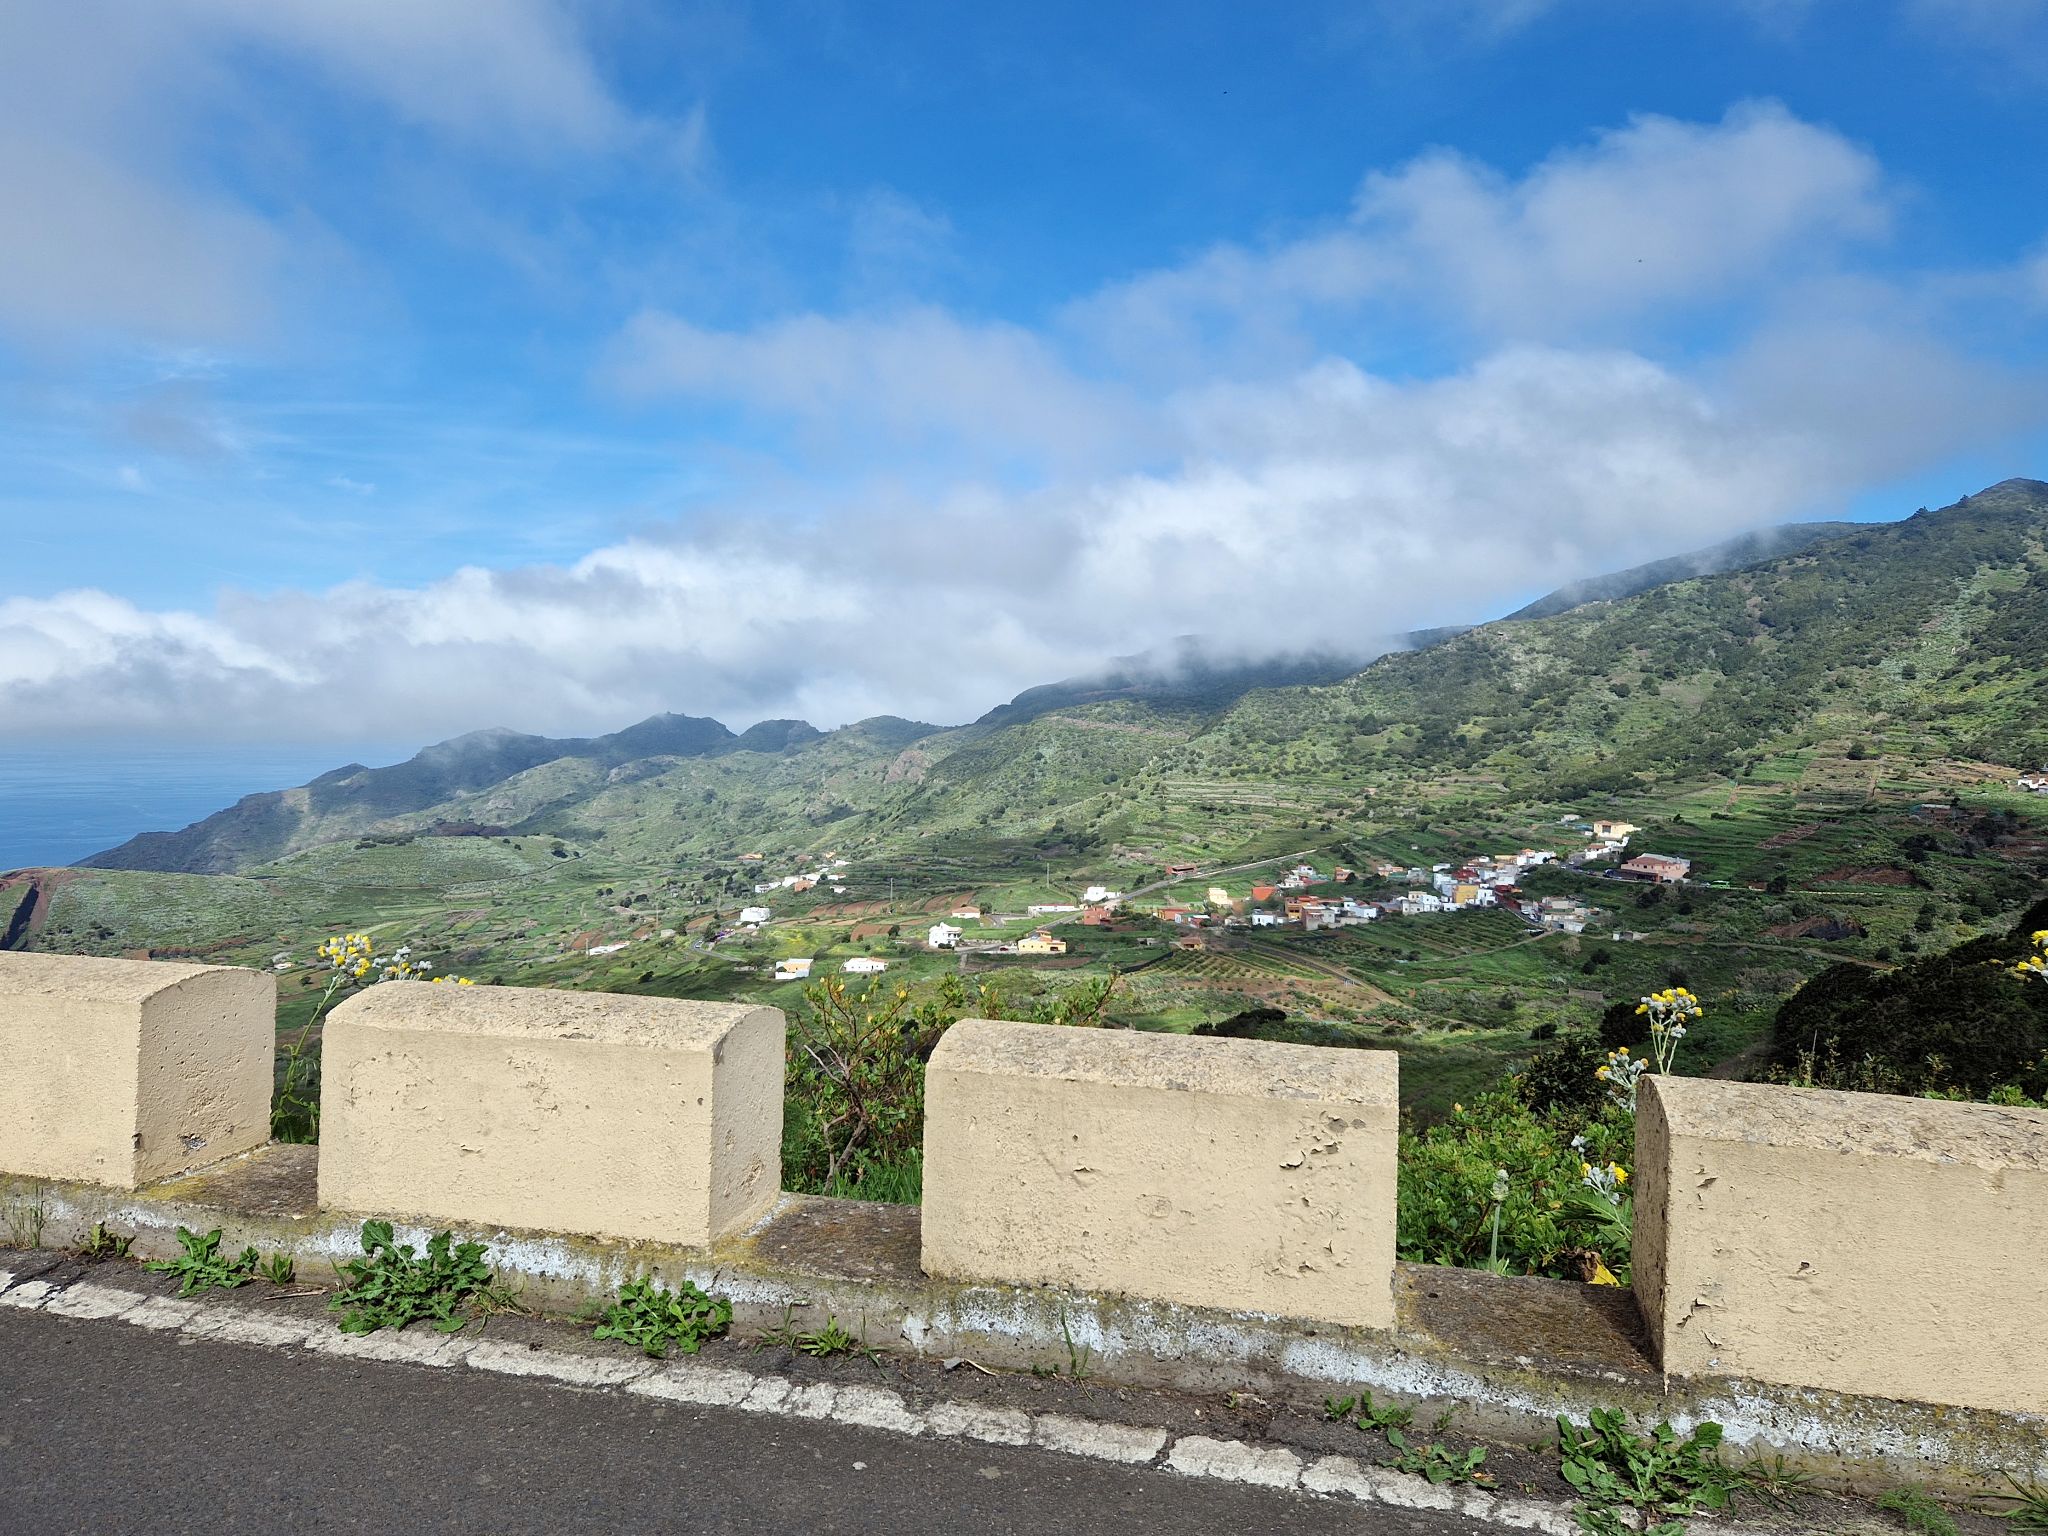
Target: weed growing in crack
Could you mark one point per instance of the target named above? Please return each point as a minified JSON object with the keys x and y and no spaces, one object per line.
{"x":1659,"y":1473}
{"x":656,"y":1319}
{"x":1772,"y":1482}
{"x":819,"y":1343}
{"x":280,"y":1269}
{"x":203,"y":1267}
{"x":1437,"y":1463}
{"x":2030,"y":1502}
{"x":393,"y":1285}
{"x":26,"y":1220}
{"x":100,"y":1245}
{"x":1365,"y":1414}
{"x":1918,"y":1512}
{"x":1078,"y":1356}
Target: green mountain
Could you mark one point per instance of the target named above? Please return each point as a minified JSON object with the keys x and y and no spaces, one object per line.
{"x":1927,"y":636}
{"x":1732,"y":554}
{"x":1925,"y":639}
{"x":354,"y":799}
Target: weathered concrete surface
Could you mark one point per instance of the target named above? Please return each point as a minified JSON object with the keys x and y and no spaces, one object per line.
{"x":1217,"y":1173}
{"x":1507,"y":1355}
{"x":123,"y":1072}
{"x":581,"y":1112}
{"x":1847,"y":1242}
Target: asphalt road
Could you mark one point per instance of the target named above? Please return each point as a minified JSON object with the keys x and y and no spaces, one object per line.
{"x":109,"y":1429}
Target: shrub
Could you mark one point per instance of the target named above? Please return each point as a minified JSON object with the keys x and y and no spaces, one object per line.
{"x":1961,"y":1020}
{"x":1548,"y":1223}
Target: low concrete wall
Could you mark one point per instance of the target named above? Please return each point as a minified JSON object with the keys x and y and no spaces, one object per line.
{"x":579,"y":1112}
{"x":122,"y":1072}
{"x":1217,"y":1173}
{"x":1505,"y":1354}
{"x":1849,"y":1242}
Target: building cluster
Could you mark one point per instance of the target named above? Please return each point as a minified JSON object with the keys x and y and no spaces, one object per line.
{"x":1040,"y":941}
{"x":1479,"y":883}
{"x":2033,"y":783}
{"x":809,"y":880}
{"x":798,"y":968}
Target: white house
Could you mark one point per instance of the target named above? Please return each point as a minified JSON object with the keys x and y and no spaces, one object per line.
{"x":793,"y":970}
{"x":607,"y":949}
{"x":1264,"y":919}
{"x":1420,"y":902}
{"x":755,"y":915}
{"x":1100,"y":895}
{"x":943,"y":936}
{"x":864,"y":965}
{"x":1046,"y":908}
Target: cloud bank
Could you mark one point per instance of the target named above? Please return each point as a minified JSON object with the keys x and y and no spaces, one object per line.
{"x":1243,"y":446}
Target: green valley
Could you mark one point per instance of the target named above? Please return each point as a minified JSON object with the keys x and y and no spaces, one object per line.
{"x":1831,"y":732}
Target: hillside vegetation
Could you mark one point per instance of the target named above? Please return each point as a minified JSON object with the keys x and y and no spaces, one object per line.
{"x":1831,"y":735}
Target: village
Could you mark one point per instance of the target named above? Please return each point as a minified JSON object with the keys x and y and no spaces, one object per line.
{"x":1296,"y":900}
{"x":1482,"y":882}
{"x":1303,"y":899}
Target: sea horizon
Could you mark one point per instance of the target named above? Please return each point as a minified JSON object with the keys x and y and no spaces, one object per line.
{"x":62,"y":802}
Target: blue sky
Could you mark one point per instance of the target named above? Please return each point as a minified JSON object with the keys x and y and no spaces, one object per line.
{"x":393,"y":368}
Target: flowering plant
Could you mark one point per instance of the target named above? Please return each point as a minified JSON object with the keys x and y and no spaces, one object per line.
{"x":1606,"y":1182}
{"x":2036,"y":964}
{"x":352,"y":961}
{"x":1669,"y":1012}
{"x":1620,"y":1074}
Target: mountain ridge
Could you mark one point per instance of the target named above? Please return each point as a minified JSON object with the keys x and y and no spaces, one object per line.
{"x":1579,"y":703}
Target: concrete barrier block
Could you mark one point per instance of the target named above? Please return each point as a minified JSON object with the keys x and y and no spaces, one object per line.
{"x":579,"y":1112}
{"x":125,"y":1072}
{"x":1851,"y":1242}
{"x":1223,"y":1173}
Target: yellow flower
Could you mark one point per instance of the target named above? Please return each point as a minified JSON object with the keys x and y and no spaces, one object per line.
{"x":1623,"y":1051}
{"x":1620,"y":1173}
{"x":1600,"y":1072}
{"x":1458,"y":1109}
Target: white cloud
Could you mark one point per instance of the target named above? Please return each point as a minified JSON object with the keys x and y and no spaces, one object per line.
{"x":1644,"y":223}
{"x":1330,"y":509}
{"x":114,"y":253}
{"x":1656,"y":214}
{"x":919,"y":375}
{"x":1247,"y":481}
{"x":510,"y":69}
{"x":119,"y":230}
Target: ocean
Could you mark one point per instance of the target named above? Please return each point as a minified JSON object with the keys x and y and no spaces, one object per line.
{"x":60,"y":803}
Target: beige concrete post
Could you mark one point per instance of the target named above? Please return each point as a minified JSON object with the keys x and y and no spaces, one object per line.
{"x":1854,"y":1242}
{"x":581,"y":1112}
{"x":125,"y":1072}
{"x":1238,"y":1174}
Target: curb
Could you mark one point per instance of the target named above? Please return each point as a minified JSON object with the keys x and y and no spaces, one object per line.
{"x":876,"y":1408}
